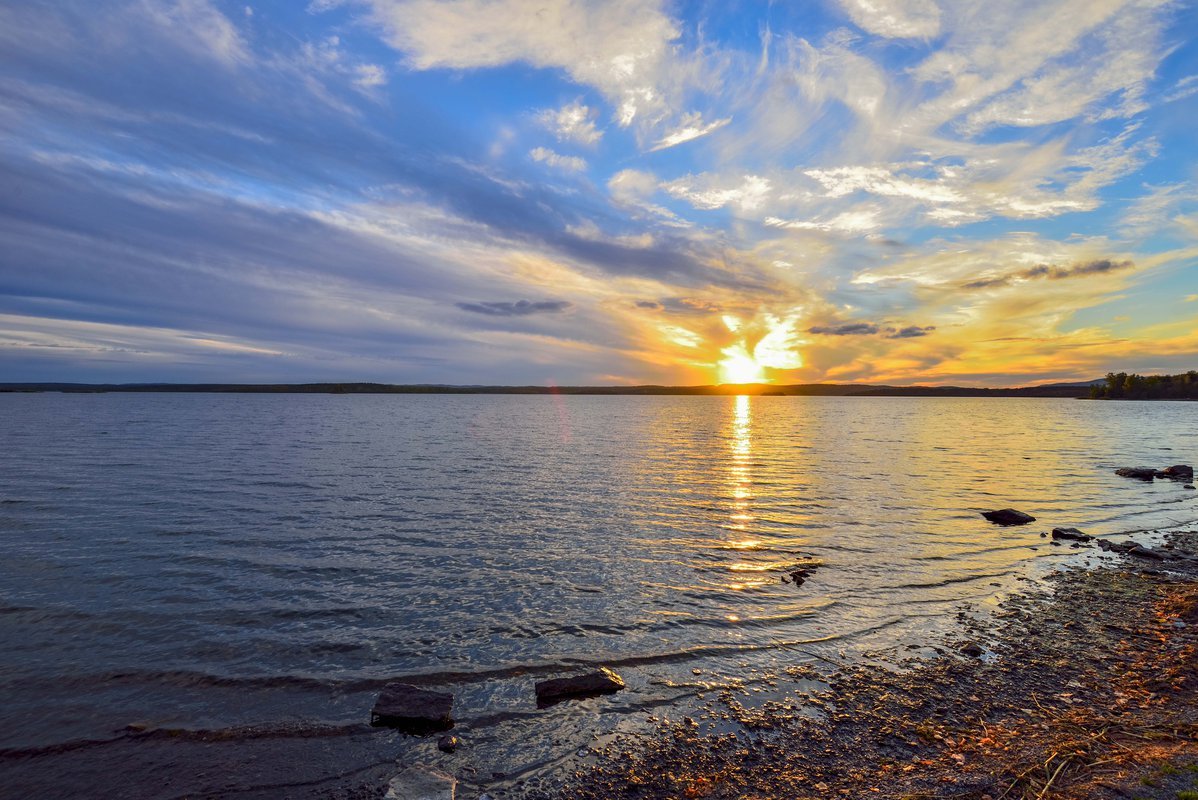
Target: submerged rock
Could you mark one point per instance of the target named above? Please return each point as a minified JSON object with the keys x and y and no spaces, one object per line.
{"x":421,"y":783}
{"x":1140,"y":473}
{"x":1008,"y":516}
{"x":802,"y":571}
{"x":412,"y":709}
{"x":1178,"y":472}
{"x":604,"y":681}
{"x":448,"y":743}
{"x":1071,"y":533}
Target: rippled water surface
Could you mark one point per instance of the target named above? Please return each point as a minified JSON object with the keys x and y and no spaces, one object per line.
{"x":261,"y":564}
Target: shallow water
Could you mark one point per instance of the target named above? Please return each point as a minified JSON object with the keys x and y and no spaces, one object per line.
{"x":259,"y":565}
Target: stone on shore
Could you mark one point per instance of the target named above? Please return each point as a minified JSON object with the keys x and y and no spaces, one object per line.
{"x":412,"y":709}
{"x":1071,"y":533}
{"x":421,"y":783}
{"x":1140,"y":551}
{"x":555,"y":690}
{"x":1008,"y":516}
{"x":972,"y":649}
{"x":1140,"y":473}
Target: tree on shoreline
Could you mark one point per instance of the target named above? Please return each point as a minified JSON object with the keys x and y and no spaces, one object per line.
{"x":1122,"y":386}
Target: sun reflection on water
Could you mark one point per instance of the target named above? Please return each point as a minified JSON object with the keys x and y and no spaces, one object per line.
{"x":739,"y":469}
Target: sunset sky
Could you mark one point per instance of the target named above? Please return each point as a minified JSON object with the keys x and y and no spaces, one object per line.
{"x":975,"y":192}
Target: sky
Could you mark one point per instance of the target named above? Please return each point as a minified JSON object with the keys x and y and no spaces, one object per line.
{"x":974,"y":192}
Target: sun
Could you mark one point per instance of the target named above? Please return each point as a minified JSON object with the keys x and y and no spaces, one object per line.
{"x":738,"y":366}
{"x":768,"y":343}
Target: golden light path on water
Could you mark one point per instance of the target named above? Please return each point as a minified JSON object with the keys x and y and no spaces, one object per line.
{"x":740,"y":481}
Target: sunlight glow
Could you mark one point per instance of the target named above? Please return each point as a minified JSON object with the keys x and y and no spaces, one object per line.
{"x":738,"y":366}
{"x":776,"y":347}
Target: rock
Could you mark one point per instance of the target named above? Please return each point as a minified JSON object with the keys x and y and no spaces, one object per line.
{"x":802,"y":571}
{"x":412,"y":709}
{"x":1178,"y":472}
{"x":1141,"y":473}
{"x":1008,"y":516}
{"x":1188,"y":486}
{"x":421,"y":783}
{"x":448,"y":743}
{"x":593,"y":683}
{"x":1071,"y":533}
{"x":972,"y":649}
{"x":1140,"y":551}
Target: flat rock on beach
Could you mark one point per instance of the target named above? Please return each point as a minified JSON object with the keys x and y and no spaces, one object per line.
{"x":603,"y":681}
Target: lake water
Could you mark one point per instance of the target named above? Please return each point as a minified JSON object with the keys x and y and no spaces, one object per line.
{"x":239,"y":574}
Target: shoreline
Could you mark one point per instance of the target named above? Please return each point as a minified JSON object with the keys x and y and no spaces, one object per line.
{"x":1084,"y":687}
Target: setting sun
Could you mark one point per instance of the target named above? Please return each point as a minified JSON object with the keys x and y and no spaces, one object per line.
{"x":738,"y":366}
{"x":776,"y":347}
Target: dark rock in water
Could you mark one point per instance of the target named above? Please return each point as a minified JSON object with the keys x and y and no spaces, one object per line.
{"x":1071,"y":533}
{"x":448,"y":743}
{"x":593,"y":683}
{"x":803,"y":570}
{"x":1188,"y":486}
{"x":1008,"y":516}
{"x":412,"y":709}
{"x":1141,"y":473}
{"x":1178,"y":472}
{"x":972,"y":649}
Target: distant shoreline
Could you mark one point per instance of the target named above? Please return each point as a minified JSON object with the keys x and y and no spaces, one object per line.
{"x":1068,"y":391}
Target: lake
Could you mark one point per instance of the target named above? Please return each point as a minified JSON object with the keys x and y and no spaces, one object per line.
{"x":237,"y":575}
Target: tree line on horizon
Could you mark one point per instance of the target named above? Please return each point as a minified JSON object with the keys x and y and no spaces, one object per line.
{"x":1122,"y":386}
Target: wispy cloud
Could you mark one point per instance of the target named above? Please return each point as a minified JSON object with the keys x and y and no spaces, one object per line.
{"x":568,"y":163}
{"x":519,"y":308}
{"x":691,"y":128}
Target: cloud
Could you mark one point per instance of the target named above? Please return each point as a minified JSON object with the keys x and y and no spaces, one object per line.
{"x":848,"y":329}
{"x":910,"y":332}
{"x":1184,"y":88}
{"x":520,"y":308}
{"x":1049,"y":272}
{"x":568,"y":163}
{"x":705,"y":193}
{"x":573,"y":122}
{"x":691,"y":128}
{"x":1007,"y":66}
{"x":200,"y":27}
{"x":895,"y":19}
{"x":619,"y":47}
{"x":370,"y":76}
